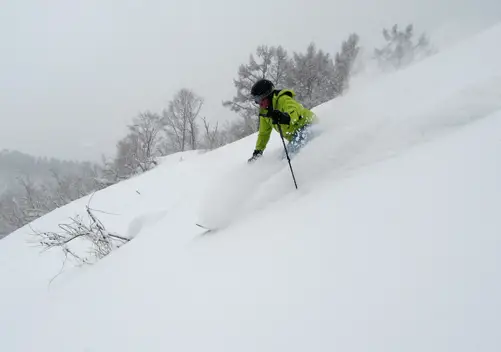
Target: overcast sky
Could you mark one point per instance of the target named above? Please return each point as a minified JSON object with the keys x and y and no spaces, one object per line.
{"x":74,"y":73}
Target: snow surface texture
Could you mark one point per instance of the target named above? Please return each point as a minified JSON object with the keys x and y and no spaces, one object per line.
{"x":391,"y":243}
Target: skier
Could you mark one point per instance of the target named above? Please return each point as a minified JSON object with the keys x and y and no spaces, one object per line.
{"x":279,"y":107}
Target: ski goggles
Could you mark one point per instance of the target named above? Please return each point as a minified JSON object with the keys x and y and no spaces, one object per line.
{"x":259,"y":98}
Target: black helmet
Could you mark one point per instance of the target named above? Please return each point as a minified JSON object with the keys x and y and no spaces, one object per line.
{"x":261,"y":89}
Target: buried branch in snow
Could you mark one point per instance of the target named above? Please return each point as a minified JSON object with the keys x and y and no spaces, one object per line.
{"x":102,"y":241}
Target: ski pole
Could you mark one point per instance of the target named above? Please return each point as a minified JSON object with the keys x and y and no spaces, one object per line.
{"x":287,"y":154}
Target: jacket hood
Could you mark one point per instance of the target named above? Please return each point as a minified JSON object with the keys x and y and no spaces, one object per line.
{"x":289,"y":92}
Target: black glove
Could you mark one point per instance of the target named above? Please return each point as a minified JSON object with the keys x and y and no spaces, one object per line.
{"x":278,"y":117}
{"x":255,"y":155}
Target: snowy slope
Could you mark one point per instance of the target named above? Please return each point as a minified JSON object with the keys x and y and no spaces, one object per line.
{"x":391,"y":243}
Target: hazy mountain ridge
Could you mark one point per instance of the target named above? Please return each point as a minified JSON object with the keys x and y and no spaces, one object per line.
{"x":20,"y":171}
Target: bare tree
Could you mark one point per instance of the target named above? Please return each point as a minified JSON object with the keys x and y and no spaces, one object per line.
{"x":33,"y":204}
{"x":147,"y":128}
{"x":137,"y":151}
{"x":42,"y":186}
{"x":29,"y":203}
{"x":213,"y":137}
{"x":66,"y":189}
{"x":180,"y":120}
{"x":112,"y":171}
{"x":92,"y":231}
{"x":127,"y":161}
{"x":11,"y":213}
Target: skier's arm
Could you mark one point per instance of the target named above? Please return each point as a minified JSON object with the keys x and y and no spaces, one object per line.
{"x":293,"y":108}
{"x":264,"y":133}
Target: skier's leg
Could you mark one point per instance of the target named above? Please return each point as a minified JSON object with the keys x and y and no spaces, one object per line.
{"x":300,"y":139}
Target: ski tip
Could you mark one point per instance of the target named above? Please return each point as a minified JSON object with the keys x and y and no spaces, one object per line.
{"x":204,"y":227}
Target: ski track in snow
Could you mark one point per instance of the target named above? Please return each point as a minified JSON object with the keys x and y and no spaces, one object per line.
{"x":140,"y":222}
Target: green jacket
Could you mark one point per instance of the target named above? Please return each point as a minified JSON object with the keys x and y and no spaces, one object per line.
{"x":283,"y":100}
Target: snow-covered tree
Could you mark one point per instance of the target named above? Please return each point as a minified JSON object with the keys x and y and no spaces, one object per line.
{"x":137,"y":151}
{"x":311,"y":75}
{"x":31,"y":200}
{"x":66,"y":187}
{"x":269,"y":62}
{"x":343,"y":64}
{"x":400,"y":49}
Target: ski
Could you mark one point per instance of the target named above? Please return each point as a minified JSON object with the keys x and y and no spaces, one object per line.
{"x":207,"y":229}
